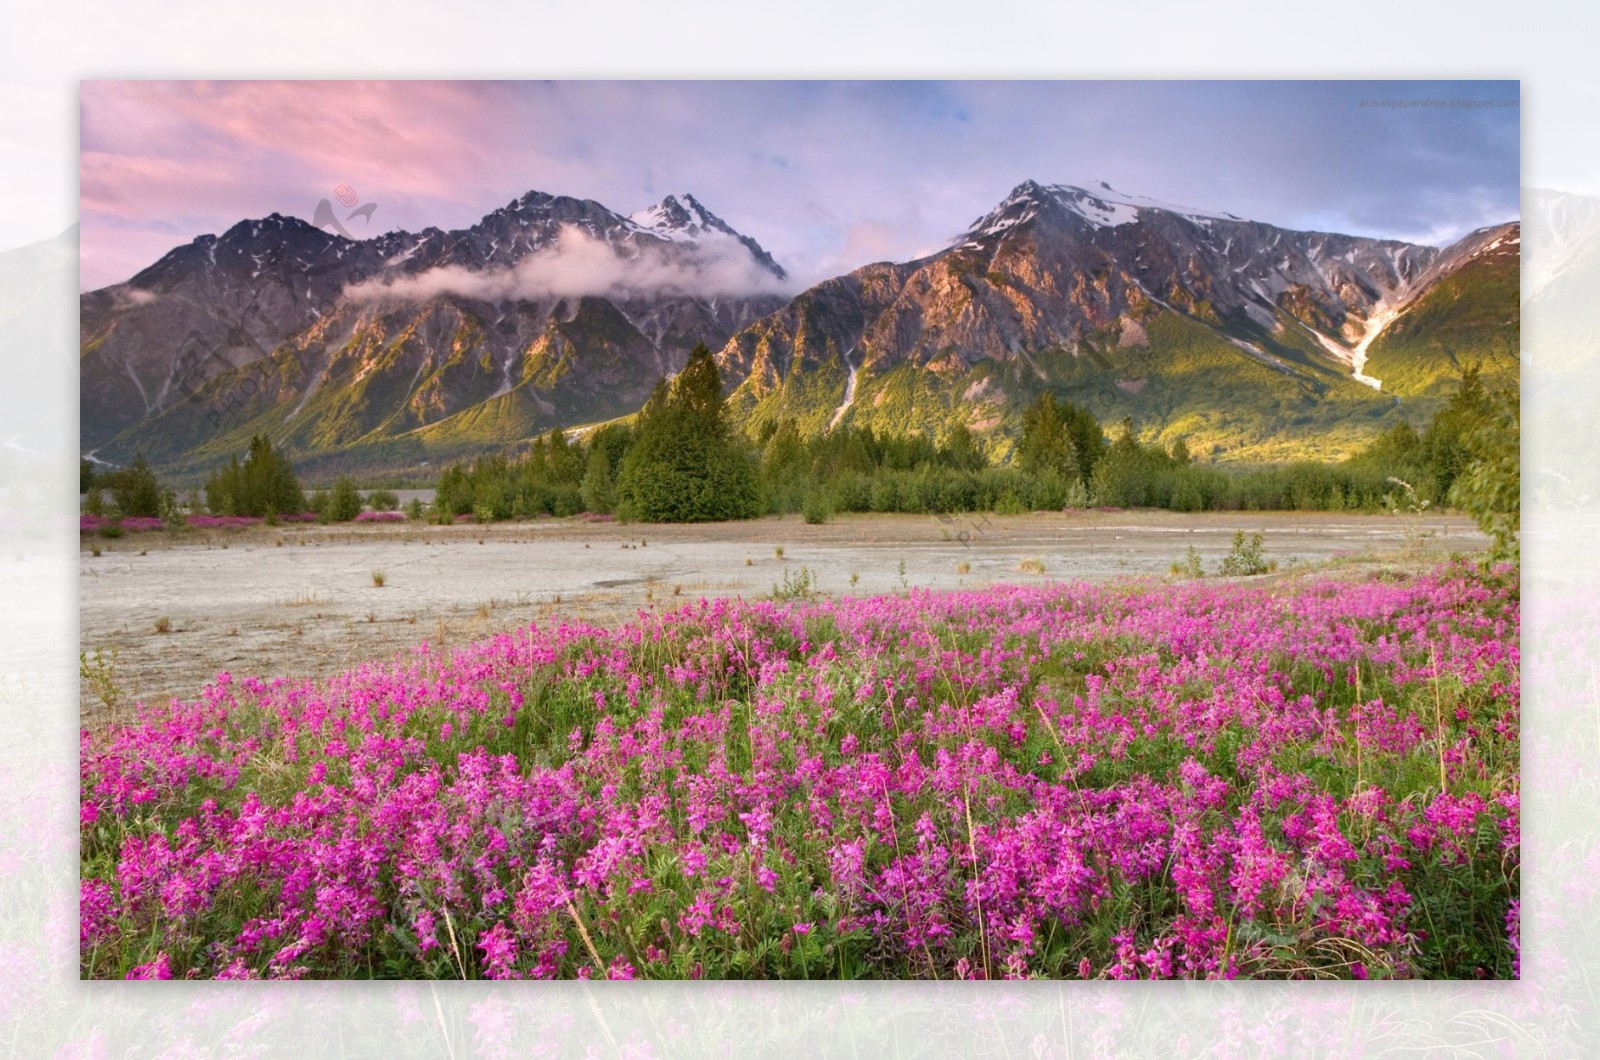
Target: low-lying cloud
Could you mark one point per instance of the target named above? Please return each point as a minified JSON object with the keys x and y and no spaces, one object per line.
{"x":579,"y":264}
{"x":131,"y":297}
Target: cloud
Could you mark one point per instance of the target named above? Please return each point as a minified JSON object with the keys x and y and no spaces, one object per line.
{"x":131,"y":297}
{"x":579,"y":264}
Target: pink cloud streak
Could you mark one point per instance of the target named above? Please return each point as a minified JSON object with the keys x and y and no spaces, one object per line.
{"x":160,"y":158}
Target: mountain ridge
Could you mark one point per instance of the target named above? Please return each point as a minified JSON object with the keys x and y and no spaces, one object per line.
{"x":552,"y":311}
{"x":174,"y":347}
{"x":1059,"y":286}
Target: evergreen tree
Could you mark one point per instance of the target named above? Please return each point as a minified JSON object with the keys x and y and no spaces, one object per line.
{"x":1088,"y":439}
{"x":599,"y":492}
{"x":263,"y":485}
{"x":344,"y":501}
{"x":135,"y":489}
{"x":453,"y":496}
{"x":1059,"y":434}
{"x":1046,"y":443}
{"x":784,"y":467}
{"x":566,"y":462}
{"x":1445,"y":450}
{"x":1489,"y":485}
{"x":1125,"y":476}
{"x":961,"y":451}
{"x":685,"y":466}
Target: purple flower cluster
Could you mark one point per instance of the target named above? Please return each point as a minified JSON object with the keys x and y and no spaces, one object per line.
{"x":129,"y":523}
{"x":224,"y":522}
{"x":381,"y":517}
{"x":1123,"y":781}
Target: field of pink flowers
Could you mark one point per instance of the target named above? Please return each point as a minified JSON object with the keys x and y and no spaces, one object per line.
{"x":1315,"y":777}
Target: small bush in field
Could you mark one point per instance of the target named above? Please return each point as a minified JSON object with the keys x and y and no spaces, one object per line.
{"x":815,"y":508}
{"x":1245,"y":558}
{"x":797,"y":585}
{"x":1189,"y":566}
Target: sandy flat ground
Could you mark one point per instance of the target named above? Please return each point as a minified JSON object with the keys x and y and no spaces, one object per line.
{"x":301,"y":601}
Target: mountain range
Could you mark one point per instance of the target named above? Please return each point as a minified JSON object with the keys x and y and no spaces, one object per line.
{"x":1252,"y":342}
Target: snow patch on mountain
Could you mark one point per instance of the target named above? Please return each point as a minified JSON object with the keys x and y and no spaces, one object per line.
{"x":681,"y":218}
{"x":849,"y":391}
{"x":1101,"y":205}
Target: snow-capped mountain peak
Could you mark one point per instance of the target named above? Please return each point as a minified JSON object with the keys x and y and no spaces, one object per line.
{"x":681,"y":217}
{"x":1099,"y":204}
{"x":1104,"y":199}
{"x":684,"y":219}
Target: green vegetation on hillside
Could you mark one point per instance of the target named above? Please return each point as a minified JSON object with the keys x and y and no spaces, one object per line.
{"x":1468,"y":320}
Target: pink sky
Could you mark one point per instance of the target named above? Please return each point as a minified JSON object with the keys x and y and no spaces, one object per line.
{"x":826,"y":175}
{"x":163,"y":162}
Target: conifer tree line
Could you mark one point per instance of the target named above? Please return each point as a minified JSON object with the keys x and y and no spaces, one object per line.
{"x":680,"y":460}
{"x":263,"y":485}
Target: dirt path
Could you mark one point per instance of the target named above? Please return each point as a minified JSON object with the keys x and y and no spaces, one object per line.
{"x":301,"y":601}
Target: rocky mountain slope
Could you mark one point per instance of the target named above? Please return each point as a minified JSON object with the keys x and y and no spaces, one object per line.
{"x":547,"y":312}
{"x":1251,"y":341}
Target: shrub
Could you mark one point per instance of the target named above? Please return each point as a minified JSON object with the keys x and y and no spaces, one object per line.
{"x":135,"y":489}
{"x":99,"y":672}
{"x":797,"y":585}
{"x":816,"y":508}
{"x":383,"y":500}
{"x":1189,"y":566}
{"x":1245,"y":558}
{"x":344,"y":501}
